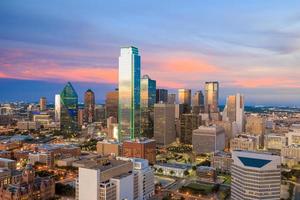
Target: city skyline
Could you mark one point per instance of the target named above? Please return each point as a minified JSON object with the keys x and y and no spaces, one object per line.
{"x":85,"y":49}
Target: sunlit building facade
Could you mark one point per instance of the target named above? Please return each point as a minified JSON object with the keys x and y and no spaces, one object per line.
{"x":89,"y":106}
{"x":69,"y":109}
{"x":43,"y":103}
{"x":129,"y":93}
{"x":148,"y":99}
{"x":212,"y":97}
{"x":184,"y":96}
{"x":57,"y":107}
{"x":111,"y":104}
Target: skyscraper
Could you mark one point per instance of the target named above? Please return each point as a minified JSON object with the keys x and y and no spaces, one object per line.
{"x":43,"y":103}
{"x":57,"y":107}
{"x":161,"y":95}
{"x":69,"y":109}
{"x":148,"y":99}
{"x":89,"y":106}
{"x":211,"y":97}
{"x":189,"y":122}
{"x":129,"y":93}
{"x":164,"y":123}
{"x":198,"y":102}
{"x":111,"y":104}
{"x":234,"y":111}
{"x":171,"y":98}
{"x":184,"y":96}
{"x":255,"y":176}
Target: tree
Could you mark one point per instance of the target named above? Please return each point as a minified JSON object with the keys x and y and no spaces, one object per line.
{"x":160,"y":170}
{"x":194,"y":168}
{"x":172,"y":172}
{"x":186,"y":173}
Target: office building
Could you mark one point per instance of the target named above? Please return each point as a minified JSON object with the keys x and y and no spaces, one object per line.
{"x":189,"y":122}
{"x":294,"y":137}
{"x":208,"y":139}
{"x":43,"y":104}
{"x":274,"y":141}
{"x":148,"y":99}
{"x":57,"y":106}
{"x":109,"y":147}
{"x":255,"y":176}
{"x":129,"y":93}
{"x":184,"y":96}
{"x":290,"y":155}
{"x":222,"y":161}
{"x":111,"y":104}
{"x":164,"y":124}
{"x":245,"y":143}
{"x":69,"y":109}
{"x":255,"y":125}
{"x":172,"y":98}
{"x":140,"y":148}
{"x":161,"y":95}
{"x":234,"y":111}
{"x":89,"y":106}
{"x":211,"y":97}
{"x":198,"y":102}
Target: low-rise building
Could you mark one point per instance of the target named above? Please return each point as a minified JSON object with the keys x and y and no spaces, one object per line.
{"x":109,"y":147}
{"x":207,"y":174}
{"x":172,"y":169}
{"x":222,"y":161}
{"x":244,"y":142}
{"x":275,"y":141}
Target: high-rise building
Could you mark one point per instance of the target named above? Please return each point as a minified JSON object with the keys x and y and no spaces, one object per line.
{"x":198,"y":102}
{"x":208,"y":139}
{"x":164,"y":123}
{"x":161,"y":95}
{"x":140,"y":148}
{"x":255,"y":125}
{"x":234,"y":111}
{"x":111,"y":104}
{"x":211,"y":97}
{"x":148,"y":99}
{"x":57,"y":107}
{"x":184,"y":96}
{"x":69,"y":109}
{"x":255,"y":176}
{"x":189,"y":122}
{"x":89,"y":106}
{"x":80,"y":116}
{"x":129,"y":93}
{"x":172,"y":98}
{"x":43,"y":103}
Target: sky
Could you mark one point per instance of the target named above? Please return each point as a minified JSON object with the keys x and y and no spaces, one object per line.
{"x":249,"y":46}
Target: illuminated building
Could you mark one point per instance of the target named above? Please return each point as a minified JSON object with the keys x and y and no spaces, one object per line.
{"x":148,"y":98}
{"x":57,"y":107}
{"x":43,"y":103}
{"x":211,"y":97}
{"x":184,"y":96}
{"x":129,"y":93}
{"x":111,"y":104}
{"x":69,"y":109}
{"x":189,"y":122}
{"x":89,"y":106}
{"x":198,"y":102}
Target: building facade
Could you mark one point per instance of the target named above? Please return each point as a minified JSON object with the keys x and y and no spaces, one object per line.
{"x":211,"y":97}
{"x":89,"y":106}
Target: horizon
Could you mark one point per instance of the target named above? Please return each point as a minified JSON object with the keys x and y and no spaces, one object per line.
{"x":181,"y":46}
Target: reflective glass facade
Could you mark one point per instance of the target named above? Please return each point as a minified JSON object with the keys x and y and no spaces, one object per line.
{"x":69,"y":109}
{"x":129,"y":93}
{"x":148,"y":99}
{"x":211,"y":97}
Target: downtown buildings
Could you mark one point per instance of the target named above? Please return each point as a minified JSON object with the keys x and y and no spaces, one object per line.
{"x":212,"y":97}
{"x":89,"y":106}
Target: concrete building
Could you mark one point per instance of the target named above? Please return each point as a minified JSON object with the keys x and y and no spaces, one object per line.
{"x":184,"y":96}
{"x":46,"y":158}
{"x":109,"y":147}
{"x":244,"y":142}
{"x":140,"y":148}
{"x":7,"y":163}
{"x":27,"y":125}
{"x":255,"y":125}
{"x":208,"y":139}
{"x":275,"y":141}
{"x":291,"y":155}
{"x":172,"y":169}
{"x":164,"y":124}
{"x":294,"y":137}
{"x":42,"y":119}
{"x":255,"y":176}
{"x":89,"y":106}
{"x":172,"y":98}
{"x":189,"y":122}
{"x":222,"y":161}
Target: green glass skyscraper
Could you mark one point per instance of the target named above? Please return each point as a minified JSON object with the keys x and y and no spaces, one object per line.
{"x":129,"y":93}
{"x":69,"y":109}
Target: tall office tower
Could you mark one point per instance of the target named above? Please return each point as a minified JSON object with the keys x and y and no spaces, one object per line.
{"x":69,"y":109}
{"x":164,"y":124}
{"x":148,"y":99}
{"x":234,"y":111}
{"x":57,"y":107}
{"x":172,"y":98}
{"x":111,"y":104}
{"x":43,"y":103}
{"x":129,"y":93}
{"x":161,"y":95}
{"x":140,"y":148}
{"x":80,"y":116}
{"x":198,"y":102}
{"x":184,"y":96}
{"x":89,"y":106}
{"x":255,"y":176}
{"x":189,"y":122}
{"x":208,"y":139}
{"x":211,"y":97}
{"x":109,"y":180}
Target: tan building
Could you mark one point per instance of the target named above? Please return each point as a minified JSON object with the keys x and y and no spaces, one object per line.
{"x":211,"y":97}
{"x":291,"y":155}
{"x":43,"y":103}
{"x":275,"y":141}
{"x":222,"y":161}
{"x":245,"y":143}
{"x":255,"y":125}
{"x":111,"y":104}
{"x":184,"y":96}
{"x":140,"y":148}
{"x":109,"y":147}
{"x":164,"y":124}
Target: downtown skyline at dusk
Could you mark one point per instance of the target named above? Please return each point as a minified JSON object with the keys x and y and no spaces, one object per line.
{"x":250,"y":47}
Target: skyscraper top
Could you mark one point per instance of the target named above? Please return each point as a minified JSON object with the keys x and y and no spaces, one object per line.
{"x":129,"y":50}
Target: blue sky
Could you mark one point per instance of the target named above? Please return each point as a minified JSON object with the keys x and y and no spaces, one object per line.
{"x":250,"y":47}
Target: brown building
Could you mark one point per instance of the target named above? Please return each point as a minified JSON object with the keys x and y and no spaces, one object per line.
{"x":140,"y":148}
{"x":109,"y":147}
{"x":189,"y":122}
{"x":80,"y":116}
{"x":111,"y":104}
{"x":89,"y":106}
{"x":43,"y":103}
{"x":27,"y":187}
